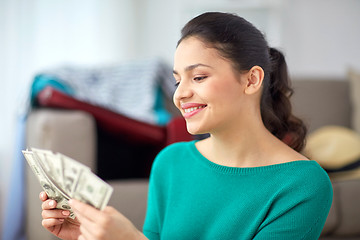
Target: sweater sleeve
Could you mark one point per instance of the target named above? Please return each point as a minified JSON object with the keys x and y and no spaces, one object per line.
{"x":152,"y":223}
{"x":157,"y":191}
{"x":299,"y":216}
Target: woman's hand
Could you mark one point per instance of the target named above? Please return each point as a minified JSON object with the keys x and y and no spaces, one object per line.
{"x":103,"y":225}
{"x":56,"y":221}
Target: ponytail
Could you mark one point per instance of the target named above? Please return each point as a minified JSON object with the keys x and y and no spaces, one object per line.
{"x":276,"y":108}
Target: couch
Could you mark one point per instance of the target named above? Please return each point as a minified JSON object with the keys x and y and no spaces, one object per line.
{"x":319,"y":102}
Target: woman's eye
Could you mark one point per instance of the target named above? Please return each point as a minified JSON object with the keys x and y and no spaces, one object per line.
{"x":200,"y":78}
{"x":177,"y":84}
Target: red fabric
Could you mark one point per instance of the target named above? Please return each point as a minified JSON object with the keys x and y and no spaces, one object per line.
{"x":108,"y":120}
{"x":118,"y":124}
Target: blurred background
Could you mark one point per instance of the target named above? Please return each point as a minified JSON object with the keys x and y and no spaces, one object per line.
{"x":320,"y":38}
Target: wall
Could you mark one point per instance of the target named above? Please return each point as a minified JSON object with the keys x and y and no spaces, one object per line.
{"x":319,"y":37}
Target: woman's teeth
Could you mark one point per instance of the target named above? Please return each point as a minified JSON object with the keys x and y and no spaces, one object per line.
{"x":187,"y":110}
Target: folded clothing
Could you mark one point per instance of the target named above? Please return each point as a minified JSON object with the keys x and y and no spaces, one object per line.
{"x":42,"y":81}
{"x":135,"y":89}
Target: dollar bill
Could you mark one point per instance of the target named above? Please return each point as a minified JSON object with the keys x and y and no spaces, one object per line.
{"x":52,"y":165}
{"x":49,"y":186}
{"x":71,"y":171}
{"x":92,"y":190}
{"x":63,"y":178}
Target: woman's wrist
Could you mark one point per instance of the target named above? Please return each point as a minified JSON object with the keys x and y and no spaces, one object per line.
{"x":138,"y":235}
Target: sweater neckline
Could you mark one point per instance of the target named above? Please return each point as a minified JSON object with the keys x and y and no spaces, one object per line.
{"x":243,"y":170}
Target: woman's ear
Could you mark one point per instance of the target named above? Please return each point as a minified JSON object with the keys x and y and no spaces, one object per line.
{"x":255,"y":77}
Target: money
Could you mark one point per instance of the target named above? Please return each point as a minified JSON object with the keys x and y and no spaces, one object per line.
{"x":53,"y":166}
{"x":92,"y":190}
{"x":72,"y":171}
{"x":63,"y":178}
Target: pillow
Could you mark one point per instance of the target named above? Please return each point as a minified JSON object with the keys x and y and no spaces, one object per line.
{"x":354,"y":78}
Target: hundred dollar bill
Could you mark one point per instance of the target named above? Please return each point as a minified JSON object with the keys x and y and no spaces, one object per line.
{"x":92,"y":190}
{"x":63,"y":178}
{"x":52,"y":190}
{"x":71,"y":171}
{"x":52,"y":164}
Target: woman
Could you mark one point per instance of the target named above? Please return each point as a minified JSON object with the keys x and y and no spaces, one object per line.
{"x":242,"y":182}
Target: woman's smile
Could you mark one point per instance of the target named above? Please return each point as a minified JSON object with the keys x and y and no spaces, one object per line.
{"x":190,"y":109}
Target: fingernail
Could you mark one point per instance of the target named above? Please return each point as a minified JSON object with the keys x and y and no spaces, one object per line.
{"x":65,"y":213}
{"x":52,"y":203}
{"x":61,"y":219}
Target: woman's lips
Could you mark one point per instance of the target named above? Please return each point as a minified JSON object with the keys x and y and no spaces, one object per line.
{"x":190,"y":109}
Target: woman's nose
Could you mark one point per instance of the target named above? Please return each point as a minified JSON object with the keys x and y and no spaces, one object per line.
{"x":182,"y":91}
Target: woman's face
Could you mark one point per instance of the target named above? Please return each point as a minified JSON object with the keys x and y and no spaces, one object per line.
{"x":210,"y":94}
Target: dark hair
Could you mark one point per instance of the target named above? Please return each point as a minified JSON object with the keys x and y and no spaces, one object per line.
{"x":239,"y":41}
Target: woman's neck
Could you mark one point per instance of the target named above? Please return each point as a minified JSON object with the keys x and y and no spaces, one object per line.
{"x":250,"y":146}
{"x":242,"y":148}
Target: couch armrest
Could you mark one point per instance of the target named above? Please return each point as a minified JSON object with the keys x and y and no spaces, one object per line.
{"x":72,"y":133}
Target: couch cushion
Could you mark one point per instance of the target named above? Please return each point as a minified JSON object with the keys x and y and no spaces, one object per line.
{"x":322,"y":102}
{"x":130,"y":198}
{"x":349,"y":210}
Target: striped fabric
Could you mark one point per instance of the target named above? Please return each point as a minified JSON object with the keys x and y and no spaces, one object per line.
{"x":129,"y":88}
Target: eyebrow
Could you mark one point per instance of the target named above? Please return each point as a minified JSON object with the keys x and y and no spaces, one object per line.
{"x":192,"y":67}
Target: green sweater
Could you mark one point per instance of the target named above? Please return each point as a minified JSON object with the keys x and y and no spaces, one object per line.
{"x":191,"y":197}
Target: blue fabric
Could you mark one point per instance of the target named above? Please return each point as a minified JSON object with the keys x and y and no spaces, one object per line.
{"x":162,"y":115}
{"x":14,"y":218}
{"x":42,"y":80}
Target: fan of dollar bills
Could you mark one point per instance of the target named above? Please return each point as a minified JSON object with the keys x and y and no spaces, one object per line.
{"x":63,"y":178}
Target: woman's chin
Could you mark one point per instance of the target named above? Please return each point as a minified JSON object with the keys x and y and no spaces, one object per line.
{"x":195,"y":131}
